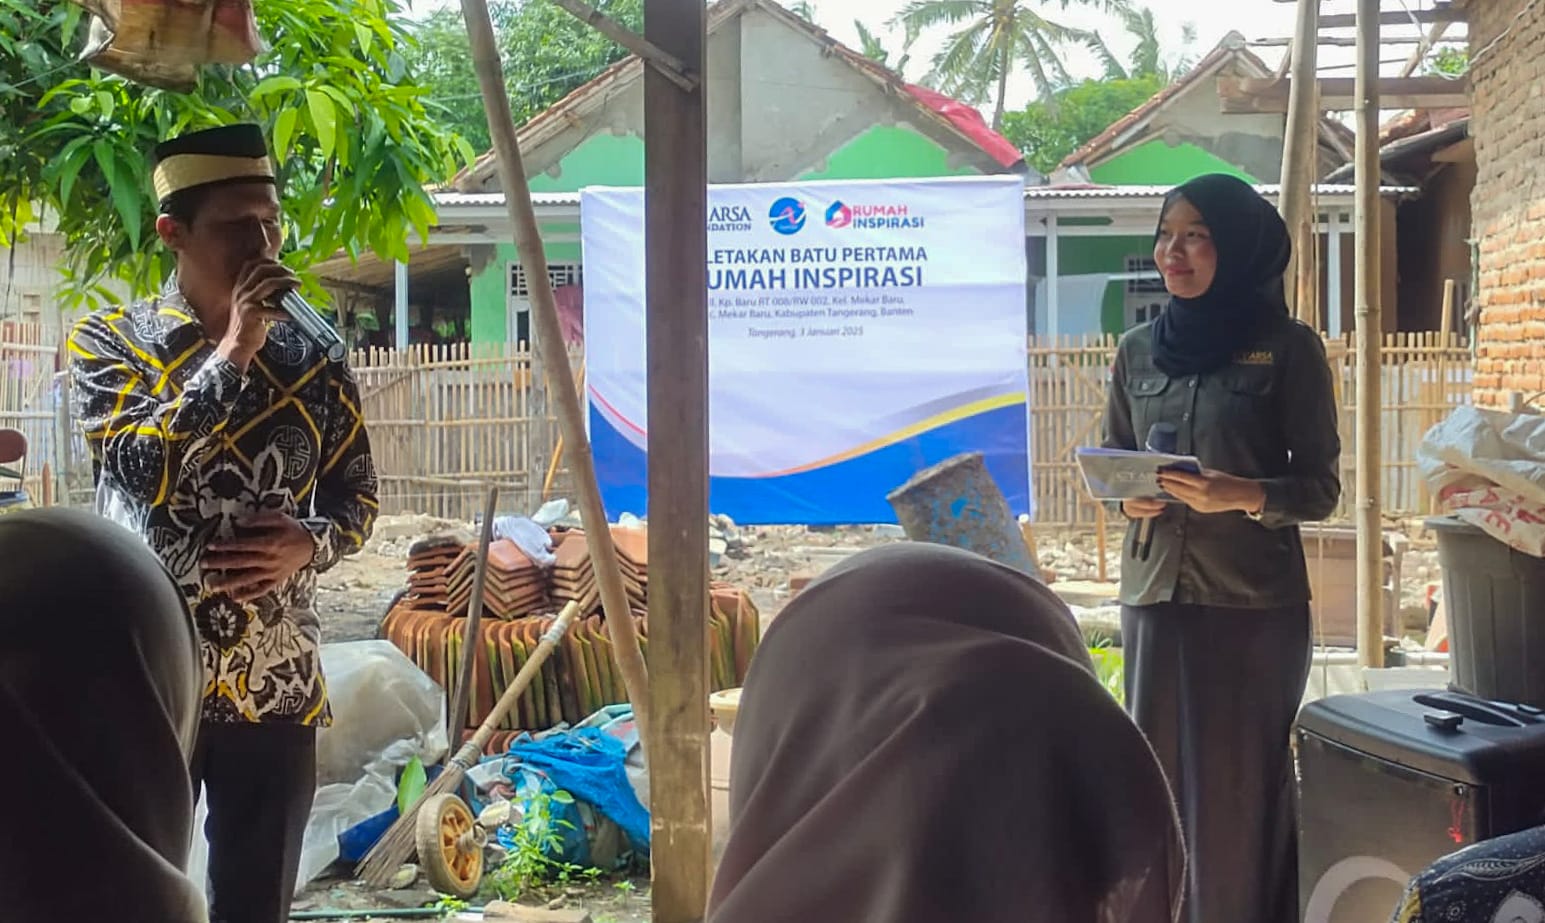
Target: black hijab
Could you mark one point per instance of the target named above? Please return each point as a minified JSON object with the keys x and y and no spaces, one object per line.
{"x":1197,"y":335}
{"x":99,"y":701}
{"x":922,"y":738}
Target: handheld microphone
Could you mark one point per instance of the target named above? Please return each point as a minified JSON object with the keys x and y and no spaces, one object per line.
{"x":313,"y":325}
{"x":1163,"y":438}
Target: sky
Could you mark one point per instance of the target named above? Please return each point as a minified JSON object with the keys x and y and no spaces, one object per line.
{"x":1212,"y":19}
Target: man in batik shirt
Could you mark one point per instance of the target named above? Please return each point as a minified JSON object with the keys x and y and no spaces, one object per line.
{"x":222,"y":436}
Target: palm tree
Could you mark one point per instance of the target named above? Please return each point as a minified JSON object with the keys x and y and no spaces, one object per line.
{"x":1147,"y":59}
{"x":994,"y":37}
{"x":803,"y":10}
{"x":872,"y":48}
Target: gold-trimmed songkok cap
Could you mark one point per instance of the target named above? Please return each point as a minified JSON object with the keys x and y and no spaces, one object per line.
{"x":211,"y":157}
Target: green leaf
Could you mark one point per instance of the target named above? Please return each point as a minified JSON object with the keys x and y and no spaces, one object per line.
{"x":284,"y":130}
{"x":411,"y":787}
{"x":105,"y":103}
{"x":278,"y":83}
{"x":81,"y":105}
{"x":71,"y":159}
{"x":324,"y":119}
{"x":106,"y":161}
{"x":365,"y":35}
{"x":562,"y":797}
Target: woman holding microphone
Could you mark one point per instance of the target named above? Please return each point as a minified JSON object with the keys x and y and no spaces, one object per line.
{"x":1215,"y":596}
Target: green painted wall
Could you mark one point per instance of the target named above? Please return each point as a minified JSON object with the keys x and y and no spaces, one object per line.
{"x":888,"y":152}
{"x":490,"y":299}
{"x":1159,"y":164}
{"x":1086,"y":255}
{"x":600,"y":160}
{"x":882,"y":152}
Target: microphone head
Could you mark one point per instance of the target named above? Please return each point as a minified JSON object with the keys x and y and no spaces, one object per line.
{"x":1163,"y":438}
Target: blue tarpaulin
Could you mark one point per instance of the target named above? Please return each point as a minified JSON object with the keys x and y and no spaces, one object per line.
{"x":589,"y":764}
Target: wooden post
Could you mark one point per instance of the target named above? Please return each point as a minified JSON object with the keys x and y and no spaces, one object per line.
{"x":1370,"y":269}
{"x":548,"y":333}
{"x":1299,"y":146}
{"x":676,"y":338}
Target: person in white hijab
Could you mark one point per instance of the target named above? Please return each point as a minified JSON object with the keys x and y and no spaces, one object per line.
{"x":922,"y":738}
{"x":99,"y":694}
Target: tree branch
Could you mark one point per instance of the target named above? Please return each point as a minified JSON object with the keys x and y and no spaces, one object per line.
{"x":666,"y":63}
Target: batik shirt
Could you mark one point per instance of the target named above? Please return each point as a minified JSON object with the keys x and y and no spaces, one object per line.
{"x":184,"y":446}
{"x":1501,"y":880}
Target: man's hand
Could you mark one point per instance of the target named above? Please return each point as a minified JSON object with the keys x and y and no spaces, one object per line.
{"x":259,"y":284}
{"x":269,"y":549}
{"x":1142,"y":508}
{"x":1214,"y":491}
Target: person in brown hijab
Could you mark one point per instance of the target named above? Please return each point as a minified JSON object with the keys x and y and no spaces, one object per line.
{"x":99,"y":696}
{"x":922,"y":737}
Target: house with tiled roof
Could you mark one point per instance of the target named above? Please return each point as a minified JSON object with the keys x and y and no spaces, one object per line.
{"x":1106,"y":281}
{"x":1181,"y":132}
{"x":786,"y":102}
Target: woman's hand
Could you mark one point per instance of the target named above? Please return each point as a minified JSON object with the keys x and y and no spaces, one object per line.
{"x":1142,"y":508}
{"x":1214,"y":491}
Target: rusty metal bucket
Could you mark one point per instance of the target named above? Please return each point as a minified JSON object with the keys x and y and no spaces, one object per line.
{"x":957,"y":503}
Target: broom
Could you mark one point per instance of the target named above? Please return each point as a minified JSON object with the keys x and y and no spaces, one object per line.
{"x":393,"y":849}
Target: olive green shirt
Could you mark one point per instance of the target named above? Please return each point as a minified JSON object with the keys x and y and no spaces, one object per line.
{"x":1269,"y":415}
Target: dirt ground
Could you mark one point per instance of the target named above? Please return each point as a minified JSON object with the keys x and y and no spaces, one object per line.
{"x":354,"y":596}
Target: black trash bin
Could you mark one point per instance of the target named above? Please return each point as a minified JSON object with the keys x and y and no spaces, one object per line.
{"x":1495,"y":599}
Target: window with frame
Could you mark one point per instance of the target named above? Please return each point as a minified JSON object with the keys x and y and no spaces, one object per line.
{"x":518,"y":318}
{"x":1144,"y":295}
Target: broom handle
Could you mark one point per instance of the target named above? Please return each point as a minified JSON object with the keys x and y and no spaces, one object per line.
{"x":467,"y":756}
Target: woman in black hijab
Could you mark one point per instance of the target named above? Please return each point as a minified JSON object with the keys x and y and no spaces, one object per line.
{"x":1215,"y":618}
{"x":99,"y":695}
{"x":922,"y":738}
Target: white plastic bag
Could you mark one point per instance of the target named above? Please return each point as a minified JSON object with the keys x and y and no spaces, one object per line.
{"x":1488,"y":468}
{"x":385,"y":712}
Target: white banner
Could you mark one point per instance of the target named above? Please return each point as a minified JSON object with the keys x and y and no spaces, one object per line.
{"x":858,"y":333}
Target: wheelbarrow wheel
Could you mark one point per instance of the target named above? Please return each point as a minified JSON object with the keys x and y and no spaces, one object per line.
{"x":450,"y":846}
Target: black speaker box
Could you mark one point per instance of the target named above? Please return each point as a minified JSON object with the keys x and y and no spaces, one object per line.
{"x":1390,"y":781}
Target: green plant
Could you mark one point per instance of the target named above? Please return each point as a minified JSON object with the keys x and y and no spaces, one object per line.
{"x":538,"y":838}
{"x":353,"y":141}
{"x":449,"y":906}
{"x":1109,"y":667}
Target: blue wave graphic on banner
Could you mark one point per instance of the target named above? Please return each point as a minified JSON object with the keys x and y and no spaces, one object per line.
{"x":851,"y":492}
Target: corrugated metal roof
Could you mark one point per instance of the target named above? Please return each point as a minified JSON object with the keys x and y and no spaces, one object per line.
{"x":1032,"y":194}
{"x":476,"y":199}
{"x":1271,"y":190}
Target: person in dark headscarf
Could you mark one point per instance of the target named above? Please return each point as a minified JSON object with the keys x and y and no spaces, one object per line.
{"x":1215,"y":591}
{"x":99,"y":700}
{"x":922,"y":737}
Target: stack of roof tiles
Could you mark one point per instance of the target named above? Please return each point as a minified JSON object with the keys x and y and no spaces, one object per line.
{"x":428,"y":562}
{"x":514,"y":585}
{"x":573,"y":576}
{"x":519,"y":604}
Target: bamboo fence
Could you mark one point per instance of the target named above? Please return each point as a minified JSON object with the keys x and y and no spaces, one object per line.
{"x":28,"y":399}
{"x":445,"y":421}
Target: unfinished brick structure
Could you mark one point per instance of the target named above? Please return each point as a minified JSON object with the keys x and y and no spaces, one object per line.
{"x":1507,"y":38}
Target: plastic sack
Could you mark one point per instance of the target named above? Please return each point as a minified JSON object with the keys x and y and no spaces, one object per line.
{"x":1487,"y":468}
{"x":379,"y":697}
{"x":385,"y":712}
{"x":163,"y":43}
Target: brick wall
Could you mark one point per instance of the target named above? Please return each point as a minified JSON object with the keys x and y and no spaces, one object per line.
{"x":1508,"y":126}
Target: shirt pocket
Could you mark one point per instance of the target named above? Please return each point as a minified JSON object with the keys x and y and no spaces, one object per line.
{"x":1147,"y":392}
{"x":1248,"y":390}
